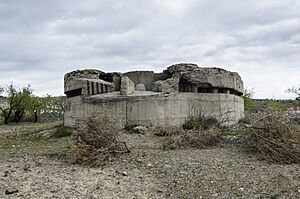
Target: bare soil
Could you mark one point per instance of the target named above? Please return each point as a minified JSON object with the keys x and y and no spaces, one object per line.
{"x":38,"y":168}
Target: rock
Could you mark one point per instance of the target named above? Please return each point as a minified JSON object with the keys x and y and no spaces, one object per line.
{"x":182,"y":67}
{"x":140,"y":87}
{"x":8,"y":192}
{"x":26,"y":168}
{"x":140,"y":129}
{"x":149,"y":165}
{"x":127,"y":86}
{"x":6,"y":173}
{"x":87,"y":73}
{"x":47,"y":133}
{"x":241,"y":189}
{"x":124,"y":173}
{"x":166,"y":86}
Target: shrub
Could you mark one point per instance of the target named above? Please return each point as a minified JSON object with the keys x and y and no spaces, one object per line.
{"x":96,"y":140}
{"x":274,"y":138}
{"x":167,"y":130}
{"x":276,"y":105}
{"x":200,"y":123}
{"x":62,"y":131}
{"x":194,"y":138}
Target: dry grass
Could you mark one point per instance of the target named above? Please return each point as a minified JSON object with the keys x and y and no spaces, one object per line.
{"x":273,"y":137}
{"x":96,"y":140}
{"x":17,"y":140}
{"x":194,"y":139}
{"x":167,"y":130}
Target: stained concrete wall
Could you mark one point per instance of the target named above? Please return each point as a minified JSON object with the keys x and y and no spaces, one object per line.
{"x":172,"y":109}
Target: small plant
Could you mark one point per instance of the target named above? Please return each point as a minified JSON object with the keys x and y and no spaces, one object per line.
{"x":96,"y":140}
{"x":201,"y":123}
{"x":167,"y":130}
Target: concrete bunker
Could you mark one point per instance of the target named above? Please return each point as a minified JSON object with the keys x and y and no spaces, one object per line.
{"x":181,"y":92}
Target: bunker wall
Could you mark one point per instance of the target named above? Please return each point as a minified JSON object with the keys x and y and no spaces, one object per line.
{"x":173,"y":109}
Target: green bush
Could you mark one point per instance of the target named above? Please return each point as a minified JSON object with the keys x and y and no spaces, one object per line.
{"x":248,"y":101}
{"x":276,"y":105}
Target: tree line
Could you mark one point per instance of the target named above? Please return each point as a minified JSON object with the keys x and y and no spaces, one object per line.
{"x":279,"y":105}
{"x":16,"y":103}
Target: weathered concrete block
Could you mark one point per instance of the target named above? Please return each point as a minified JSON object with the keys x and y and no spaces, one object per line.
{"x":127,"y":86}
{"x":167,"y":86}
{"x":140,"y":87}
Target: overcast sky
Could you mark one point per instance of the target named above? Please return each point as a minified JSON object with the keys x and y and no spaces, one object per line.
{"x":40,"y":40}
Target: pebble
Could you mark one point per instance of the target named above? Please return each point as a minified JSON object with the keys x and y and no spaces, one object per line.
{"x":149,"y":165}
{"x":6,"y":173}
{"x":241,"y":189}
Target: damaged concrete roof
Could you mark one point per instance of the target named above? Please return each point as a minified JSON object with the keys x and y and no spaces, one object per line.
{"x":186,"y":72}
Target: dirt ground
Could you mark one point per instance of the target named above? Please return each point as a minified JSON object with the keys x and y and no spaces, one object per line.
{"x":37,"y":168}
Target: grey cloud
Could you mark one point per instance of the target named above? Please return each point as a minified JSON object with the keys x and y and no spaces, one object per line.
{"x":54,"y":37}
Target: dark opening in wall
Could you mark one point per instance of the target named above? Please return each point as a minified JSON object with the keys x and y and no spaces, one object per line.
{"x":93,"y":88}
{"x":222,"y":90}
{"x":205,"y":90}
{"x":74,"y":93}
{"x":88,"y":88}
{"x":106,"y":77}
{"x":97,"y":88}
{"x":233,"y":92}
{"x":102,"y":88}
{"x":185,"y":86}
